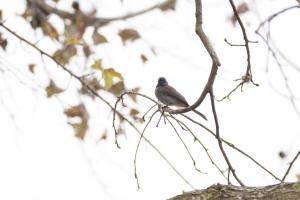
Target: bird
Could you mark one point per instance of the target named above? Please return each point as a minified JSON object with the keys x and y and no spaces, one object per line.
{"x":167,"y":95}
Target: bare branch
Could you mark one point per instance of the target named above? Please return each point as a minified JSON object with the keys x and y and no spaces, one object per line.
{"x":185,"y":146}
{"x":231,"y":169}
{"x":233,"y":146}
{"x":290,"y":166}
{"x":137,"y":147}
{"x":91,"y":20}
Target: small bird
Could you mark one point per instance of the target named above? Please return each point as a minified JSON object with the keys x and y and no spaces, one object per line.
{"x":167,"y":95}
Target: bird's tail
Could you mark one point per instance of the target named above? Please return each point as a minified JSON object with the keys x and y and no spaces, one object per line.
{"x":199,"y":113}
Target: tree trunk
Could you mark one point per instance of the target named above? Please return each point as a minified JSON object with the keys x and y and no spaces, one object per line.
{"x":282,"y":191}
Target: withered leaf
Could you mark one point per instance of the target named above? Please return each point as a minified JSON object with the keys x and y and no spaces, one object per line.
{"x":144,"y":58}
{"x":52,"y":89}
{"x":86,"y":50}
{"x":31,"y":68}
{"x":129,"y":34}
{"x":49,"y":30}
{"x":117,"y":88}
{"x":168,"y":5}
{"x":63,"y":55}
{"x":298,"y":177}
{"x":81,"y":112}
{"x":133,"y":96}
{"x":98,"y":38}
{"x":241,"y":9}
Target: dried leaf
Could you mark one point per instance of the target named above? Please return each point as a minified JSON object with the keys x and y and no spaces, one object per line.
{"x":144,"y":58}
{"x":97,"y":65}
{"x":92,"y":83}
{"x":169,"y":5}
{"x":134,"y":112}
{"x":108,"y":75}
{"x":63,"y":55}
{"x":31,"y":68}
{"x":49,"y":30}
{"x":133,"y":96}
{"x":3,"y":42}
{"x":98,"y":38}
{"x":81,"y":112}
{"x":117,"y":88}
{"x":52,"y":89}
{"x":298,"y":177}
{"x":129,"y":34}
{"x":76,"y":111}
{"x":241,"y":9}
{"x":86,"y":50}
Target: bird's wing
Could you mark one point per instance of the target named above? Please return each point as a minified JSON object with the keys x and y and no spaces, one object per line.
{"x":178,"y":99}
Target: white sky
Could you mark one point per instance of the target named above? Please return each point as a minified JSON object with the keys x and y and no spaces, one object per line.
{"x":41,"y":159}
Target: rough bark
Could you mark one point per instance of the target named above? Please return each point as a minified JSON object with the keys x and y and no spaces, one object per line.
{"x":282,"y":191}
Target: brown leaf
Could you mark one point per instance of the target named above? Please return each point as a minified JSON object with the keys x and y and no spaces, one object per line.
{"x":31,"y":68}
{"x":117,"y":88}
{"x":298,"y":177}
{"x":63,"y":55}
{"x":81,"y":112}
{"x":3,"y":42}
{"x":241,"y":9}
{"x":52,"y":89}
{"x":133,"y":96}
{"x":144,"y":58}
{"x":129,"y":34}
{"x":94,"y":84}
{"x":98,"y":38}
{"x":169,"y":5}
{"x":49,"y":30}
{"x":76,"y":111}
{"x":86,"y":50}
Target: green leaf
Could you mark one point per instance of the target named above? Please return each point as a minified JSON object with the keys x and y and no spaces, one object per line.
{"x":97,"y":65}
{"x":108,"y":75}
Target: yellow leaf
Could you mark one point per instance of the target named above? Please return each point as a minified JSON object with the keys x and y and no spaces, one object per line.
{"x":108,"y":75}
{"x":97,"y":65}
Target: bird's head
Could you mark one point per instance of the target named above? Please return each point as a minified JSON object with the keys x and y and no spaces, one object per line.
{"x":162,"y":82}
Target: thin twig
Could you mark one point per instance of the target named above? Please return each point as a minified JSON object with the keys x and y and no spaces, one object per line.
{"x":137,"y":147}
{"x":233,"y":146}
{"x":290,"y":166}
{"x":201,"y":144}
{"x":185,"y":146}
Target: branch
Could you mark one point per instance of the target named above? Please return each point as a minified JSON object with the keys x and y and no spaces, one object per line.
{"x":290,"y":166}
{"x":230,"y":168}
{"x":78,"y":78}
{"x":96,"y":21}
{"x":230,"y":192}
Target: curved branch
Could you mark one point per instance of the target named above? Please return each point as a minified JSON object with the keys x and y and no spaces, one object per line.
{"x":96,"y":21}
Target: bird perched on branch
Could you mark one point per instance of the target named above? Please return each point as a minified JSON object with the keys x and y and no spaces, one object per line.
{"x":167,"y":95}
